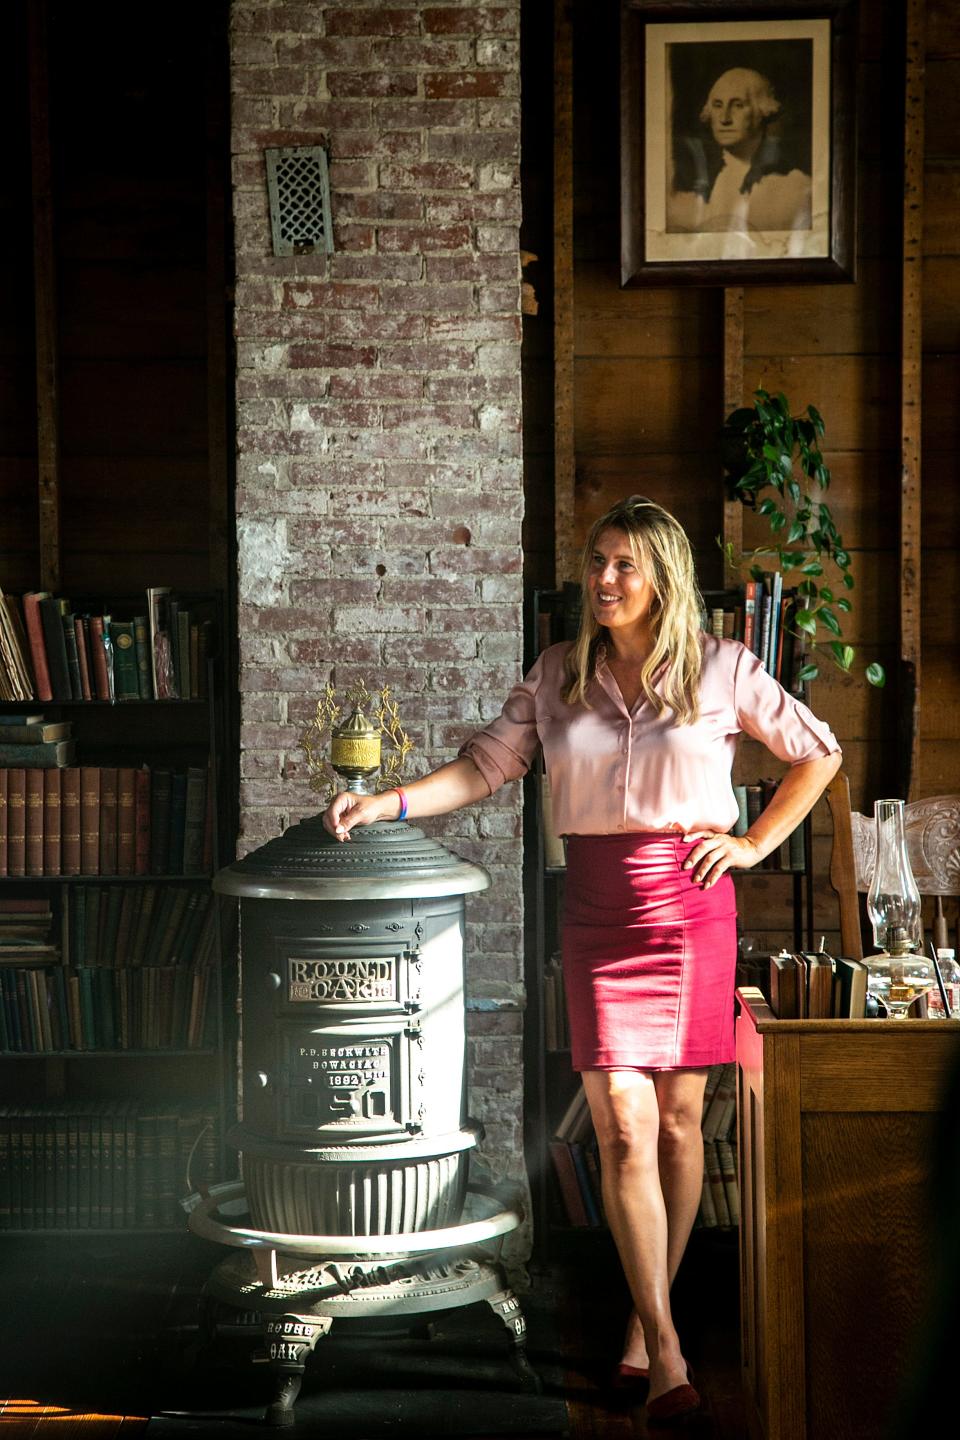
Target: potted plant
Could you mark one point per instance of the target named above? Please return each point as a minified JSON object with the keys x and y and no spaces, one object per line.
{"x":766,"y":449}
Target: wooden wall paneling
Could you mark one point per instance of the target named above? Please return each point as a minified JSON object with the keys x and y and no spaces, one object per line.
{"x":732,"y":399}
{"x":563,"y":294}
{"x":45,"y":298}
{"x":911,"y":372}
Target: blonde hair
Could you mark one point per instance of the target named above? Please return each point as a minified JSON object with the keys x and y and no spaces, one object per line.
{"x":662,"y":552}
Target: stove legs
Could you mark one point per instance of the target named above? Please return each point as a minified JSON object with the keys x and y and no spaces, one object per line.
{"x":290,"y":1339}
{"x":506,"y":1307}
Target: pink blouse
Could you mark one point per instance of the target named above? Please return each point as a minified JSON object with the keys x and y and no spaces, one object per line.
{"x":613,"y":769}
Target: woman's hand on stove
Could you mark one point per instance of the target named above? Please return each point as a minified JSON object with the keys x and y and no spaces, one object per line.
{"x":347,"y":810}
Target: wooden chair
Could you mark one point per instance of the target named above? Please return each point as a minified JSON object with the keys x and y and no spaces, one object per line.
{"x":932,"y":829}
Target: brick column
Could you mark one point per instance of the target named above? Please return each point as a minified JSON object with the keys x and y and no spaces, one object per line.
{"x":379,"y":490}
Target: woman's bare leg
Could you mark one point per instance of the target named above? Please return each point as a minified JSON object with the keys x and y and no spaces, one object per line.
{"x":626,"y":1118}
{"x":680,"y":1156}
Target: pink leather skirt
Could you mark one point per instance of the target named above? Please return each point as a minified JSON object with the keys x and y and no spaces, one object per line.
{"x":649,"y":958}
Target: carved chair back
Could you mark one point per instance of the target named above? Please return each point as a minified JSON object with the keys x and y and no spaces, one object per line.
{"x":932,"y":829}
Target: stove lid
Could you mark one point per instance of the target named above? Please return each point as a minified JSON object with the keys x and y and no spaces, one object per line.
{"x":380,"y":862}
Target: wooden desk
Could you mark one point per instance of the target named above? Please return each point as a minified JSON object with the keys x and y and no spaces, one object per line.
{"x":835,"y":1123}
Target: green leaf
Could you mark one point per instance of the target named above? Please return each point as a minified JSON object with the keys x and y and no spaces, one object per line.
{"x":809,"y":671}
{"x":796,"y":531}
{"x":756,"y":572}
{"x":805,"y":620}
{"x":817,"y":419}
{"x":793,"y":490}
{"x":848,"y":581}
{"x":767,"y":506}
{"x":876,"y":675}
{"x":844,"y":604}
{"x":822,"y":476}
{"x":842,"y":558}
{"x":773,"y":453}
{"x":829,"y":619}
{"x":812,"y":567}
{"x":843,"y":654}
{"x":778,"y":520}
{"x":827,"y":595}
{"x":807,"y":587}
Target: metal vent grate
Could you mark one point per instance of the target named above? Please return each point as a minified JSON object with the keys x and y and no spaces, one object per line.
{"x":299,"y":185}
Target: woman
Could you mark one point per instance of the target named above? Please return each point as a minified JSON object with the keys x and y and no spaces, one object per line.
{"x":638,"y":719}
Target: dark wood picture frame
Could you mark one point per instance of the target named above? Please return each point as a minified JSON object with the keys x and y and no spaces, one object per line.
{"x":705,"y":17}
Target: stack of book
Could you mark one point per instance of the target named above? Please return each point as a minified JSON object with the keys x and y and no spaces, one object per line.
{"x":573,"y":1151}
{"x":26,"y":932}
{"x":30,"y":739}
{"x":105,"y":820}
{"x":53,"y":650}
{"x":812,"y":985}
{"x":791,"y":853}
{"x":82,"y":1165}
{"x":720,"y":1198}
{"x":134,"y":973}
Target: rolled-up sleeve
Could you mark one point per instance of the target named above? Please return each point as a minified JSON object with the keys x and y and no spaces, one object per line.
{"x":770,"y":714}
{"x":504,"y":749}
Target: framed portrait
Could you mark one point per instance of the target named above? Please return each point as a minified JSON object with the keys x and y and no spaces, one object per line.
{"x":737,"y":142}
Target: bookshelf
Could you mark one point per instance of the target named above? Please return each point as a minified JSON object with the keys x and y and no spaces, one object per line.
{"x":114,"y":1030}
{"x":550,"y":1083}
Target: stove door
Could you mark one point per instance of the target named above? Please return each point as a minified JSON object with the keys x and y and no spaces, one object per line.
{"x":350,"y":1079}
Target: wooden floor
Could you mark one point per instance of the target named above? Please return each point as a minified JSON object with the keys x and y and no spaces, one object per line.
{"x":54,"y":1382}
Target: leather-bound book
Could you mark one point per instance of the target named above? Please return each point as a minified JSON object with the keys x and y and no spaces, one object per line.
{"x":51,"y":614}
{"x":70,"y":821}
{"x":141,"y":862}
{"x":108,"y":820}
{"x":98,"y":659}
{"x":16,"y":821}
{"x":38,"y":652}
{"x":52,"y":811}
{"x":4,"y":815}
{"x":80,"y":625}
{"x":33,"y":829}
{"x":89,"y":820}
{"x":126,"y":820}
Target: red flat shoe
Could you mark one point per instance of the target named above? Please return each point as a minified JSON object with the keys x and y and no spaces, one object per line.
{"x":631,"y":1379}
{"x":674,"y":1407}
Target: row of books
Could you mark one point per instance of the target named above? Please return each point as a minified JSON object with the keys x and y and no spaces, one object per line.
{"x":132,"y":970}
{"x":105,"y":820}
{"x":46,"y":1010}
{"x":791,"y":853}
{"x":50,"y":650}
{"x":760,"y":615}
{"x":720,"y":1195}
{"x":94,"y":1166}
{"x":576,"y":1163}
{"x":817,"y":986}
{"x":114,"y":926}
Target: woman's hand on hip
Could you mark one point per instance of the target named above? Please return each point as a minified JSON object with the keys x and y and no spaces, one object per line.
{"x":717,"y":852}
{"x":346,"y":810}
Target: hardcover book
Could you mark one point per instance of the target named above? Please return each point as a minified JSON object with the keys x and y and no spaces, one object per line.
{"x":126,"y":679}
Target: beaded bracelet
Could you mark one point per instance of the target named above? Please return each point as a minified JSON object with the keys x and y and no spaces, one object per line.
{"x":403,"y":802}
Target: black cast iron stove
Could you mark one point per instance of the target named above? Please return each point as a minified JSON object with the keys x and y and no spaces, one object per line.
{"x":355,"y":1140}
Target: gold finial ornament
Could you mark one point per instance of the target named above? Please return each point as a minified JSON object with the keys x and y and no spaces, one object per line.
{"x":356,"y":744}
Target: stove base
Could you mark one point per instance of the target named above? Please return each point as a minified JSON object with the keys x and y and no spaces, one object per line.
{"x":295,"y":1310}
